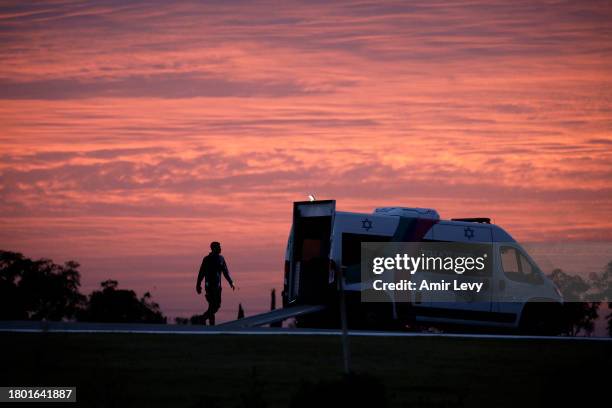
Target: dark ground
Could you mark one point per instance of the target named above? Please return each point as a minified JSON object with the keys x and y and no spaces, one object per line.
{"x":112,"y":370}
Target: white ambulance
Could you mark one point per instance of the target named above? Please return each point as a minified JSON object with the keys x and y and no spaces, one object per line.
{"x":325,"y":246}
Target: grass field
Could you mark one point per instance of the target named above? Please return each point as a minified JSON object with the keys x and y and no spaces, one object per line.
{"x":113,"y":370}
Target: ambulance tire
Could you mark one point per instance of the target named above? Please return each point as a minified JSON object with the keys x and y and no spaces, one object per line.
{"x":375,"y":316}
{"x":541,"y":319}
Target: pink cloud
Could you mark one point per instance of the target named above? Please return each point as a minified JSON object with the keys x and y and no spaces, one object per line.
{"x":144,"y":131}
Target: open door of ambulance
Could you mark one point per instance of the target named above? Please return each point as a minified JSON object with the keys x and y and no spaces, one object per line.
{"x":312,"y":230}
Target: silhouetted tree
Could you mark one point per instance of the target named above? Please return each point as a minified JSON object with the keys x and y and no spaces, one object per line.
{"x":121,"y":306}
{"x":39,"y":289}
{"x":578,"y":314}
{"x":181,"y":320}
{"x":602,"y":284}
{"x":273,"y":299}
{"x":240,"y":311}
{"x":609,"y":318}
{"x":197,"y":319}
{"x":273,"y":307}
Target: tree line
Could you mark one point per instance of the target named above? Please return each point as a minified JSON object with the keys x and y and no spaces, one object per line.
{"x":584,"y":299}
{"x":43,"y":290}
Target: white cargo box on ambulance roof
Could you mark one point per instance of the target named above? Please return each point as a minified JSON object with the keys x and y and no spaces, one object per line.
{"x":412,"y":212}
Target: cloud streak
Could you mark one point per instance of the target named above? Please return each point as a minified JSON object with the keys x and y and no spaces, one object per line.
{"x":150,"y":128}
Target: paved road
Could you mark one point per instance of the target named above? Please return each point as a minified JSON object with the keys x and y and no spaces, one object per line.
{"x":72,"y":327}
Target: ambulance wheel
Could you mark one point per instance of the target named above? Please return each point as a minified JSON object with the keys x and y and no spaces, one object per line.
{"x":541,"y":319}
{"x":375,"y":316}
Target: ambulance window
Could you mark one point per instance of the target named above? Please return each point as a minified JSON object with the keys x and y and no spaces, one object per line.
{"x":517,"y":267}
{"x":526,"y":267}
{"x":509,"y":260}
{"x":529,"y":272}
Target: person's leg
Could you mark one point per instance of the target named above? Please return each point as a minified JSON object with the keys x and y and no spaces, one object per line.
{"x":209,"y":313}
{"x":214,"y":305}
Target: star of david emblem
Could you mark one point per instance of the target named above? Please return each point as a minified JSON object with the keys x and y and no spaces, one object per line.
{"x":468,"y":232}
{"x":366,"y":224}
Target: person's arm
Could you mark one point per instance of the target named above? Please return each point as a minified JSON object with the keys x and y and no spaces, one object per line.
{"x":200,"y":277}
{"x":226,"y":273}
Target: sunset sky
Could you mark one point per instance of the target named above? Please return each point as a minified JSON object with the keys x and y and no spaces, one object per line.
{"x":133,"y":134}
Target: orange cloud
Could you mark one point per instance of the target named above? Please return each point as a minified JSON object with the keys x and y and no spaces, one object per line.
{"x":144,"y":131}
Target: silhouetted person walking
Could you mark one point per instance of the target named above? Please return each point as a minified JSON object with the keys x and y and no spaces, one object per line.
{"x":213,"y":265}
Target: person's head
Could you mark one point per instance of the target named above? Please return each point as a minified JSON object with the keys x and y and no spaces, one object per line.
{"x":215,"y":247}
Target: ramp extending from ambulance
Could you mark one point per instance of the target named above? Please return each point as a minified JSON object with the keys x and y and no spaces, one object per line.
{"x":273,"y":316}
